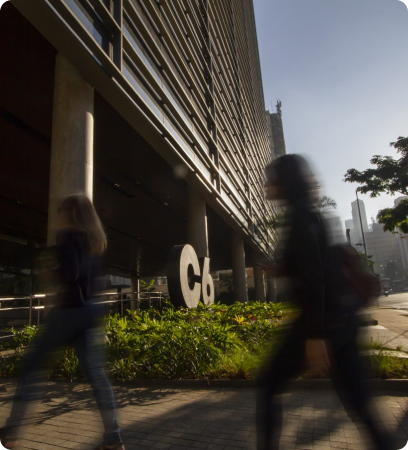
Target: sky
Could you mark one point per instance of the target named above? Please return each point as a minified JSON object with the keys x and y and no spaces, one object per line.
{"x":340,"y":69}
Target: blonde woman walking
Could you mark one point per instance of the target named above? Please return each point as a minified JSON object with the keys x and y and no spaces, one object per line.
{"x":81,"y":241}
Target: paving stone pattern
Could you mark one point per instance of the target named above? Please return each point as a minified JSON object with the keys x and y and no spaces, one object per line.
{"x":213,"y":419}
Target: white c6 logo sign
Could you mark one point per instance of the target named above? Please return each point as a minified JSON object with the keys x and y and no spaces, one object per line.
{"x":188,"y":278}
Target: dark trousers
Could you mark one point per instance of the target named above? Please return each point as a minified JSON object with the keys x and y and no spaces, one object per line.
{"x":77,"y":326}
{"x":349,"y":383}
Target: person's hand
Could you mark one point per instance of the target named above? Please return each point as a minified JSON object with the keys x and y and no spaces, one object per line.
{"x":317,"y":357}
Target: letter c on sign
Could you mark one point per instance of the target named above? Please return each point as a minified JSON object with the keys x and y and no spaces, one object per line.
{"x":183,"y":276}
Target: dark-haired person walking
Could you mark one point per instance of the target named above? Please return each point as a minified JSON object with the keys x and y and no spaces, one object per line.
{"x":81,"y":241}
{"x":324,"y":334}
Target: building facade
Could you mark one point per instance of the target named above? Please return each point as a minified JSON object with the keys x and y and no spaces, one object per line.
{"x":155,"y":110}
{"x":360,"y":225}
{"x":385,"y":249}
{"x":275,"y":132}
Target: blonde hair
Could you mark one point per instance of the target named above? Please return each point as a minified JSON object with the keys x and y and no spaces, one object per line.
{"x":81,"y":214}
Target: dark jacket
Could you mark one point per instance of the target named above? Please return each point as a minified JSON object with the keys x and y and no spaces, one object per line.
{"x":80,"y":272}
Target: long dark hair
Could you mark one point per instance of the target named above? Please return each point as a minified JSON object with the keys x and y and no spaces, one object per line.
{"x":294,"y":174}
{"x":81,"y":214}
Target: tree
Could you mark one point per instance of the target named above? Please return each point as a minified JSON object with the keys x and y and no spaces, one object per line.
{"x":326,"y":202}
{"x":390,"y":176}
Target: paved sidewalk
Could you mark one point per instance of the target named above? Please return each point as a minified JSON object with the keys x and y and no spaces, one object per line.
{"x":213,"y":419}
{"x":392,"y":328}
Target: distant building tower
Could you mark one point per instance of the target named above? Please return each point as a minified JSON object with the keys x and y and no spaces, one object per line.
{"x":275,"y":132}
{"x":335,"y":231}
{"x":350,"y":226}
{"x":356,"y":221}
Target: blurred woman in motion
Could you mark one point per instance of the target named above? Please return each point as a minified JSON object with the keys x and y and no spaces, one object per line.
{"x":75,"y":266}
{"x":324,"y":334}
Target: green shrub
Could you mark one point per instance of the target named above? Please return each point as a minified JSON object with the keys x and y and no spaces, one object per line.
{"x":208,"y":341}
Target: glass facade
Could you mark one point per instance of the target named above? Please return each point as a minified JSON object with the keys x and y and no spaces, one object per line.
{"x":193,"y":67}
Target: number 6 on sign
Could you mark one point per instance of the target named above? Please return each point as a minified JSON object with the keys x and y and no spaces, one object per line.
{"x":187,"y":279}
{"x":207,"y":283}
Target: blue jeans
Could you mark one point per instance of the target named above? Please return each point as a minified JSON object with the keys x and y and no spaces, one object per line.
{"x":77,"y":326}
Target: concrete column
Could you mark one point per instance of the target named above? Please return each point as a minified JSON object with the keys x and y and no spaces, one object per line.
{"x":72,"y":139}
{"x":238,"y":269}
{"x":134,"y":287}
{"x":197,"y":223}
{"x":271,"y":290}
{"x":259,"y":284}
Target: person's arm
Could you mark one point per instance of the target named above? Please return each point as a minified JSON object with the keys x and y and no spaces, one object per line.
{"x":309,"y":267}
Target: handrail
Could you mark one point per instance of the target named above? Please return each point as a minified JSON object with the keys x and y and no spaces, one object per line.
{"x":122,"y":297}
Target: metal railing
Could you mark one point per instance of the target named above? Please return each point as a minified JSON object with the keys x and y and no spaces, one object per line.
{"x":30,"y":299}
{"x":134,"y":298}
{"x":37,"y":302}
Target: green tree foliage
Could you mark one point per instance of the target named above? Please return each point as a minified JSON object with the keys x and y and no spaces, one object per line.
{"x":390,"y":176}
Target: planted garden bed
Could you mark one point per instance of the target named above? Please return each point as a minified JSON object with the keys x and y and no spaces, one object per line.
{"x":216,"y":342}
{"x":206,"y":342}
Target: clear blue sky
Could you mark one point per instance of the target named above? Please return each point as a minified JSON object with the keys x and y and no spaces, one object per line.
{"x":340,"y":68}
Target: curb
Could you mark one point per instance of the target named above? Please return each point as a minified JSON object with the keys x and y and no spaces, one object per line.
{"x":400,"y":386}
{"x":376,"y":384}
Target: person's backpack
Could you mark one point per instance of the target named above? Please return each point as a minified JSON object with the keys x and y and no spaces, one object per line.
{"x":364,"y":283}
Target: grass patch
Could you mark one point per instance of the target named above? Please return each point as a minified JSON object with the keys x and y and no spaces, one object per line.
{"x":385,"y":365}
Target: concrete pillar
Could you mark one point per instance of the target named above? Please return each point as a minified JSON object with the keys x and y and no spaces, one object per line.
{"x":134,"y":287}
{"x":238,"y":269}
{"x":197,"y":223}
{"x":259,"y":284}
{"x":271,"y":290}
{"x":72,"y":139}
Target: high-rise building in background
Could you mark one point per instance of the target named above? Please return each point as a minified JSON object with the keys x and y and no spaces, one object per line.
{"x":275,"y":132}
{"x":153,"y":109}
{"x":360,"y":226}
{"x":335,"y":229}
{"x":389,"y":251}
{"x":349,"y":223}
{"x":386,"y":253}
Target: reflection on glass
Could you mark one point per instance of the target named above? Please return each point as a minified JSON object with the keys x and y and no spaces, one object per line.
{"x":233,"y":208}
{"x":175,"y":71}
{"x":232,"y":189}
{"x":203,"y":169}
{"x":179,"y":138}
{"x":203,"y":144}
{"x":90,"y":20}
{"x":177,"y":105}
{"x":137,"y":46}
{"x":134,"y":5}
{"x":139,"y":88}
